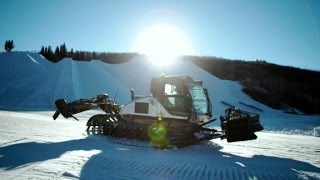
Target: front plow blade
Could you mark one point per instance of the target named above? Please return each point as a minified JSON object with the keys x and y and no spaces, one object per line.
{"x":239,"y":125}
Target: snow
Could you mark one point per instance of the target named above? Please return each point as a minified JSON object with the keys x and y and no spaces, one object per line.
{"x":33,"y":146}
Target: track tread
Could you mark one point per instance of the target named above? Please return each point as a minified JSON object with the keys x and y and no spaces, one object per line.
{"x":108,"y":125}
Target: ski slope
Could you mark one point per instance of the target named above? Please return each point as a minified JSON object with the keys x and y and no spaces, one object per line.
{"x":33,"y":146}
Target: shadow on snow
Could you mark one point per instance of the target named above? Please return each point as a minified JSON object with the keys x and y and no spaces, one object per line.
{"x":125,"y":161}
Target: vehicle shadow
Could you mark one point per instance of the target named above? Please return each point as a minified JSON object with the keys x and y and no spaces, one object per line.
{"x":17,"y":155}
{"x":127,"y":160}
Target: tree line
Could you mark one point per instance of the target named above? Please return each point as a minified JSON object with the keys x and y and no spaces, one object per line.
{"x":62,"y":52}
{"x":280,"y":87}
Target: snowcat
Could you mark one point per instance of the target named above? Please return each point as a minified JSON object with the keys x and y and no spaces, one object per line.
{"x":176,"y":114}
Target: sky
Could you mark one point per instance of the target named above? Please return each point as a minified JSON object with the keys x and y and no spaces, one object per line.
{"x":285,"y":32}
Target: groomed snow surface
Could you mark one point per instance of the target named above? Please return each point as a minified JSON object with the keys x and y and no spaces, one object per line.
{"x":33,"y":146}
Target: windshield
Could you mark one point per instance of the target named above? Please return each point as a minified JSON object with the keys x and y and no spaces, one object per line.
{"x":199,"y":99}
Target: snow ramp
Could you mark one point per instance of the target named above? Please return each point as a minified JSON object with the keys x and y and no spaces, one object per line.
{"x":30,"y":82}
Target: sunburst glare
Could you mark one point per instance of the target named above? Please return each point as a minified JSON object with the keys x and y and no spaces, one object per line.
{"x":163,"y":43}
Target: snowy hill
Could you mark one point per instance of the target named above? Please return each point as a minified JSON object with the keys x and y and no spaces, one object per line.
{"x":30,"y":82}
{"x":33,"y":146}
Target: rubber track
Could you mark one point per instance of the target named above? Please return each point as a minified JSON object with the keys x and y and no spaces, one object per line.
{"x":110,"y":125}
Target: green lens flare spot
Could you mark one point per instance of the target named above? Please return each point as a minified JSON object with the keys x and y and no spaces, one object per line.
{"x":157,"y":132}
{"x":162,"y":74}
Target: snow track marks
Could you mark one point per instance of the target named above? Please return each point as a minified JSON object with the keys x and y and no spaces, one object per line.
{"x":105,"y":167}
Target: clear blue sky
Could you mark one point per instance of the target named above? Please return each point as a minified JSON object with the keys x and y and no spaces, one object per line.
{"x":284,"y":32}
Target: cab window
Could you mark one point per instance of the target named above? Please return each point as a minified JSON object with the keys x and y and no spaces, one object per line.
{"x":174,"y":99}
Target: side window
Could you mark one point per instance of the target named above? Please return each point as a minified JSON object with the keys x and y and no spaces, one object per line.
{"x":169,"y":92}
{"x":174,"y":99}
{"x":170,"y":89}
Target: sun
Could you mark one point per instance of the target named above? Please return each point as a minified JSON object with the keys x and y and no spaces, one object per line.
{"x":163,"y":44}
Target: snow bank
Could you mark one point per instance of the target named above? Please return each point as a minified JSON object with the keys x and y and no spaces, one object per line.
{"x":316,"y":131}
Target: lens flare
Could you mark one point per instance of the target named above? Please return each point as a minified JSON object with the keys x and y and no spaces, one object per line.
{"x":157,"y":132}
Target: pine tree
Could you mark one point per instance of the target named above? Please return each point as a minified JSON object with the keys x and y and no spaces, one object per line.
{"x":8,"y":45}
{"x":57,"y":51}
{"x":50,"y":52}
{"x":63,"y":50}
{"x":42,"y":51}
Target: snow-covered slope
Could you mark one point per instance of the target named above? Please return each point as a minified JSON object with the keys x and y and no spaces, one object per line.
{"x":30,"y":82}
{"x":33,"y":146}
